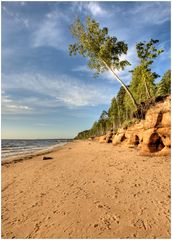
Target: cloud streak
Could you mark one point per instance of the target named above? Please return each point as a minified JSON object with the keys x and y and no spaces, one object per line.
{"x":16,"y":17}
{"x":152,"y":12}
{"x":51,"y":31}
{"x":10,"y":106}
{"x":53,"y":92}
{"x":94,"y":9}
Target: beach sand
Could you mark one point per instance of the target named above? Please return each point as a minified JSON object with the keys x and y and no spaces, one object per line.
{"x":87,"y":190}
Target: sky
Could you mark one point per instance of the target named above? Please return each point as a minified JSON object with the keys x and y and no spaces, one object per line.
{"x":48,"y":94}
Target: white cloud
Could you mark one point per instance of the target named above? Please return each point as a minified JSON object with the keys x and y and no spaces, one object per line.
{"x":89,"y":8}
{"x":96,"y":9}
{"x":152,"y":12}
{"x":16,"y":17}
{"x":81,"y":68}
{"x":53,"y":92}
{"x":51,"y":31}
{"x":22,"y":20}
{"x":10,"y":106}
{"x":54,"y":28}
{"x":22,"y":3}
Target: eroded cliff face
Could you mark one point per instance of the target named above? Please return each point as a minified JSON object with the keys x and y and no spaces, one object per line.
{"x":151,"y":136}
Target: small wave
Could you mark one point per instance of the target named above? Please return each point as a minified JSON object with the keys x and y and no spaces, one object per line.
{"x":30,"y":147}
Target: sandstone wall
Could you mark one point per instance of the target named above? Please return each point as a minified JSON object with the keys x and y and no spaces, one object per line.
{"x":151,"y":136}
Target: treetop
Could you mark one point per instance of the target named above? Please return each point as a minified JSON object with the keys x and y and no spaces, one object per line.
{"x":95,"y":43}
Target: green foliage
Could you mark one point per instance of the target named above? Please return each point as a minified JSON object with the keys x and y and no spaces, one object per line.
{"x":98,"y":128}
{"x":121,"y":112}
{"x":142,"y":85}
{"x":83,"y":135}
{"x":103,"y":51}
{"x":103,"y":116}
{"x":164,"y":86}
{"x":95,"y":43}
{"x":140,"y":75}
{"x":147,"y":51}
{"x":94,"y":131}
{"x":103,"y":121}
{"x":113,"y":114}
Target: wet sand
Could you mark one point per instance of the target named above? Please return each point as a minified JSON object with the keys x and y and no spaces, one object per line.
{"x":87,"y":190}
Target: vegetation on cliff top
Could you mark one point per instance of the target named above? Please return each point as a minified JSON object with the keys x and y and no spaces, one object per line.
{"x":104,"y":53}
{"x":119,"y":115}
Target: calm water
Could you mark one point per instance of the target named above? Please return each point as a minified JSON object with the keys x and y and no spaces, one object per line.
{"x":15,"y":147}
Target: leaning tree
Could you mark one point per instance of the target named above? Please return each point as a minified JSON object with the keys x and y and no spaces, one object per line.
{"x":104,"y":52}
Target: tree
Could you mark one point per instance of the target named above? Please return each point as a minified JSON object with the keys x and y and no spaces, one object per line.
{"x":147,"y":52}
{"x":137,"y":86}
{"x":164,"y":86}
{"x":113,"y":113}
{"x":103,"y":120}
{"x":104,"y":116}
{"x":96,"y":129}
{"x":122,"y":113}
{"x":83,"y":135}
{"x":103,"y":51}
{"x":142,"y":84}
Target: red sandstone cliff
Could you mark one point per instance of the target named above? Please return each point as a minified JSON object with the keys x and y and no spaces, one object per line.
{"x":151,"y":135}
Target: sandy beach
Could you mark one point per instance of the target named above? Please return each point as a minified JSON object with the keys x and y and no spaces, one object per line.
{"x":87,"y":190}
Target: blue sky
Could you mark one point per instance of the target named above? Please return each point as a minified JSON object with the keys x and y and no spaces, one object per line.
{"x":48,"y":94}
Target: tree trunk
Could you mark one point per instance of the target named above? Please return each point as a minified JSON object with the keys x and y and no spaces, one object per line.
{"x":113,"y":123}
{"x":121,"y":82}
{"x":126,"y":89}
{"x":147,"y":91}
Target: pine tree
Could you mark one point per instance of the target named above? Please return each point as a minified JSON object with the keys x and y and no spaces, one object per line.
{"x":137,"y":86}
{"x":103,"y":121}
{"x":147,"y":52}
{"x":121,"y":105}
{"x":142,"y":84}
{"x":164,"y":86}
{"x":113,"y":113}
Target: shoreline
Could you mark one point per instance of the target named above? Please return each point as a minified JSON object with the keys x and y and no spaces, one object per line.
{"x":87,"y":190}
{"x":27,"y":156}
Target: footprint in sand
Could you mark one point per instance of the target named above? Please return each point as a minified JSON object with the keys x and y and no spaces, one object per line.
{"x":55,"y":211}
{"x":107,"y":223}
{"x":116,"y":218}
{"x":140,"y":224}
{"x":99,"y":206}
{"x":35,"y":204}
{"x":96,"y":225}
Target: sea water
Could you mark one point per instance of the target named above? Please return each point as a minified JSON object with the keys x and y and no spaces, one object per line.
{"x":15,"y":147}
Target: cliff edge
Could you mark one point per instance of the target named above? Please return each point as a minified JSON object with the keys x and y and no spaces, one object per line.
{"x":151,"y":135}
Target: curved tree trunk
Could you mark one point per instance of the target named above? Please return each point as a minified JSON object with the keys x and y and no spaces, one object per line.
{"x":126,"y":89}
{"x":121,"y":82}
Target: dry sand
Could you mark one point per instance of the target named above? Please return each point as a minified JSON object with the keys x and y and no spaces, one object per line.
{"x":88,"y":190}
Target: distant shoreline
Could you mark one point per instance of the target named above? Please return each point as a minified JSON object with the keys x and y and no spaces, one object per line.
{"x":27,"y":156}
